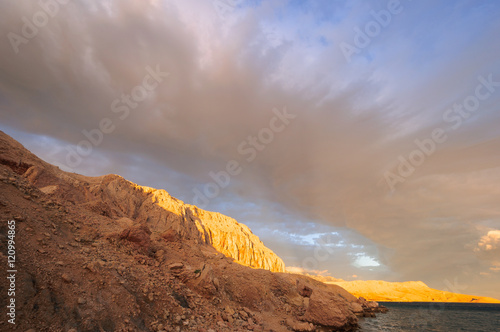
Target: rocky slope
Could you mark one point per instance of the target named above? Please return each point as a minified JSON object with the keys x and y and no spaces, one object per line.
{"x":104,"y":254}
{"x":411,"y":291}
{"x":116,"y":198}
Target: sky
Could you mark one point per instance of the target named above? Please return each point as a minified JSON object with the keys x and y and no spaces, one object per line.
{"x":357,"y":139}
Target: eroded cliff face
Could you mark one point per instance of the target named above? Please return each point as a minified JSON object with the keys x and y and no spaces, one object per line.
{"x":163,"y":213}
{"x":233,"y":239}
{"x":114,"y":197}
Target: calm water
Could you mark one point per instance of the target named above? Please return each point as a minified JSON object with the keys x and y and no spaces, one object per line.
{"x":435,"y":317}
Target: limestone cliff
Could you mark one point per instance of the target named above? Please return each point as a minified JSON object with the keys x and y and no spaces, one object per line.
{"x":116,"y":198}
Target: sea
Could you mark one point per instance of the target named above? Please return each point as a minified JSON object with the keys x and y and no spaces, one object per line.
{"x":435,"y":317}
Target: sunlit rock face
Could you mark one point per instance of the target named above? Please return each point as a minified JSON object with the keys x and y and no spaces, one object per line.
{"x":162,"y":213}
{"x":114,"y":197}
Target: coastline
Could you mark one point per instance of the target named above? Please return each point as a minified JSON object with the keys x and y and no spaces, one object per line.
{"x":434,"y":316}
{"x":457,"y":304}
{"x":410,"y":291}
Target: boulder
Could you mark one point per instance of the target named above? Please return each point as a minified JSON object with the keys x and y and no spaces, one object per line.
{"x":139,"y":234}
{"x":329,"y":310}
{"x":304,"y":290}
{"x":170,"y":235}
{"x":356,"y":307}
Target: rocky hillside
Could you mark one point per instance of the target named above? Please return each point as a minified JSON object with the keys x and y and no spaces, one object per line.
{"x":116,"y":198}
{"x":410,"y":291}
{"x":104,"y":254}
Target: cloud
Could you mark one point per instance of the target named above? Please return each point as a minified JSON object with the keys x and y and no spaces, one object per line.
{"x":488,"y":249}
{"x":489,"y":242}
{"x":364,"y":261}
{"x":324,"y":172}
{"x":301,"y":270}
